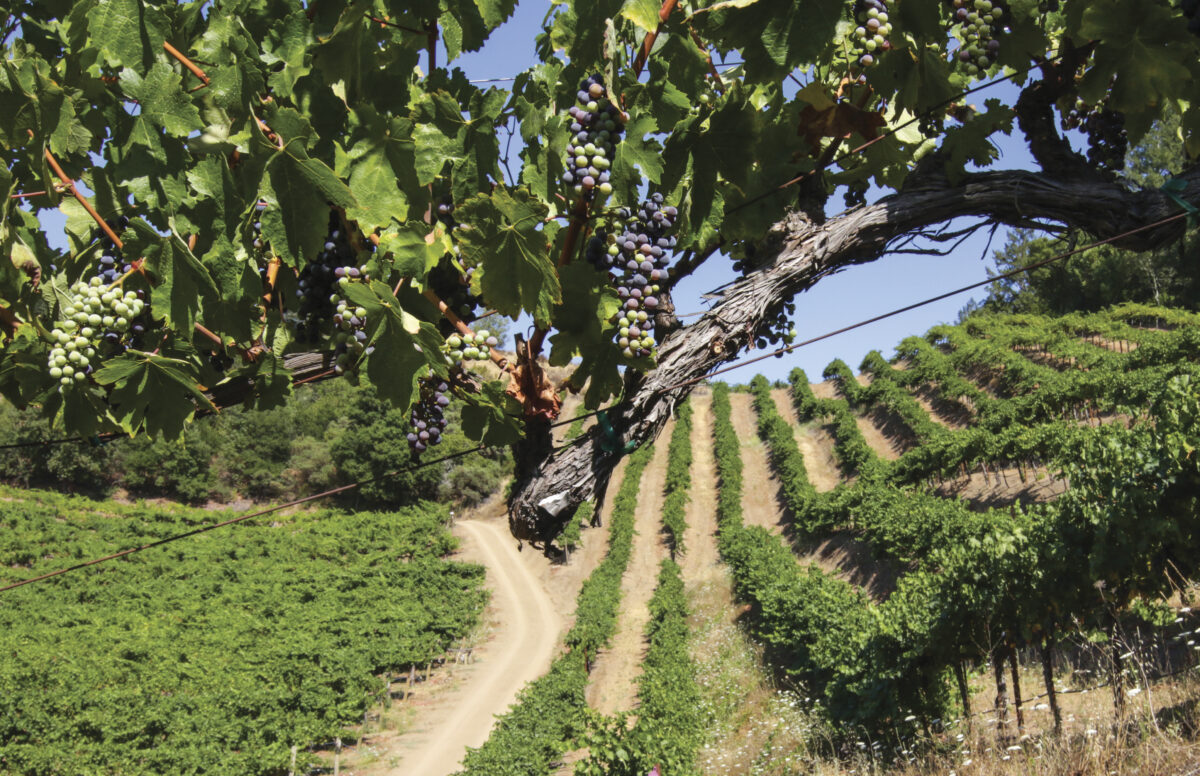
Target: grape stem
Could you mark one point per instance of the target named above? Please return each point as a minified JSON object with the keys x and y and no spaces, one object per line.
{"x":82,"y":200}
{"x":663,"y":14}
{"x":189,"y":64}
{"x":712,"y":69}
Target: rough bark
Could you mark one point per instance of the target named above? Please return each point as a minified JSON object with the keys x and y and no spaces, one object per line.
{"x":799,"y":252}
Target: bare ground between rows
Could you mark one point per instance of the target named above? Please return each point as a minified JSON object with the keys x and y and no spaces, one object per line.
{"x":612,"y":685}
{"x":815,"y":442}
{"x":840,"y":554}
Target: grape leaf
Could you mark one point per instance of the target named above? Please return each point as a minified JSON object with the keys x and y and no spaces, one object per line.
{"x":162,"y":99}
{"x":129,"y":33}
{"x":503,"y":237}
{"x":404,"y":346}
{"x":151,"y":393}
{"x":298,"y":191}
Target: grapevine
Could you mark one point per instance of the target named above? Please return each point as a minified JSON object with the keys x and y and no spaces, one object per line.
{"x":1191,"y":10}
{"x":637,"y":262}
{"x":317,"y":279}
{"x":871,"y":35}
{"x":596,"y":127}
{"x":979,"y":26}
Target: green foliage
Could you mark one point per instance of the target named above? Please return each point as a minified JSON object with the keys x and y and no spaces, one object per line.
{"x":305,"y":107}
{"x":678,"y":480}
{"x":327,"y":435}
{"x":212,"y":655}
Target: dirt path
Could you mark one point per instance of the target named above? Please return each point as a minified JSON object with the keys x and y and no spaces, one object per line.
{"x":760,"y":490}
{"x":887,"y":448}
{"x":815,"y":443}
{"x":949,"y":414}
{"x":523,"y":642}
{"x":700,"y":561}
{"x":612,"y":686}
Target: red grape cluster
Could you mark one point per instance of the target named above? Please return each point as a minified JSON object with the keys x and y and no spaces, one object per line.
{"x":979,"y":23}
{"x":596,"y":126}
{"x":871,"y":35}
{"x":635,"y":257}
{"x":428,"y":417}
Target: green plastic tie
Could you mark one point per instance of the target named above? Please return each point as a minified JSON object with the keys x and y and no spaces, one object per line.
{"x":1174,"y":189}
{"x":609,"y":441}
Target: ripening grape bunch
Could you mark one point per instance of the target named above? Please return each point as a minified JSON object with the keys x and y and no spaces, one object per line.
{"x":317,"y":280}
{"x":1106,"y":134}
{"x":461,"y":348}
{"x":350,"y":338}
{"x":97,"y":322}
{"x":870,"y":37}
{"x":980,"y":25}
{"x":636,"y":259}
{"x":428,"y":418}
{"x":110,"y":266}
{"x":596,"y":126}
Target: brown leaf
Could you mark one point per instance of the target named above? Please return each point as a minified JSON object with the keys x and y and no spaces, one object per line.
{"x":838,"y":121}
{"x":530,"y":386}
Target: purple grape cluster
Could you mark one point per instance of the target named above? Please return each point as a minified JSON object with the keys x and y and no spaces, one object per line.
{"x":110,"y":266}
{"x":635,"y":258}
{"x":871,"y":35}
{"x":596,"y":126}
{"x":980,"y":25}
{"x":1107,"y":137}
{"x":428,"y":418}
{"x":315,"y":288}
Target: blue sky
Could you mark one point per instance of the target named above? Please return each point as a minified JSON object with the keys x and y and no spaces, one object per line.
{"x":854,"y":294}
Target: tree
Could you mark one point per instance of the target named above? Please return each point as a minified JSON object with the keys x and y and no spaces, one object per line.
{"x":249,"y":150}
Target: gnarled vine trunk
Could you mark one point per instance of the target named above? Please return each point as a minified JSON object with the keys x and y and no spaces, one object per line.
{"x":797,"y":253}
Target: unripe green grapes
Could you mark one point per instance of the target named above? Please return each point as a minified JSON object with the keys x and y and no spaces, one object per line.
{"x":77,"y":337}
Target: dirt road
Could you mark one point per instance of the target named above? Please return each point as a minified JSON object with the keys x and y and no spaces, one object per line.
{"x":524,"y":640}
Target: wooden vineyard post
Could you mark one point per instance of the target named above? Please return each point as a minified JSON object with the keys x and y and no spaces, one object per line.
{"x":337,"y":756}
{"x":1048,"y":678}
{"x":960,"y":674}
{"x":1001,"y":687}
{"x":1016,"y":686}
{"x":292,"y":769}
{"x":412,"y":675}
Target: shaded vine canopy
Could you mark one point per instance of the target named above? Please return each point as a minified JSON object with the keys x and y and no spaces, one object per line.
{"x":233,"y":147}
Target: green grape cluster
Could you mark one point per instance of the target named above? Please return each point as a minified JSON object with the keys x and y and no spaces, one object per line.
{"x":870,"y":37}
{"x":469,"y":347}
{"x":96,"y":314}
{"x":980,"y":25}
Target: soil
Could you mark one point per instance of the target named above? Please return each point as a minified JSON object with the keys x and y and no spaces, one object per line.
{"x":700,"y":561}
{"x":850,"y":559}
{"x":950,"y":414}
{"x":815,"y":442}
{"x":612,"y":686}
{"x":825,"y":390}
{"x":761,"y":503}
{"x":885,"y":434}
{"x":1008,"y":489}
